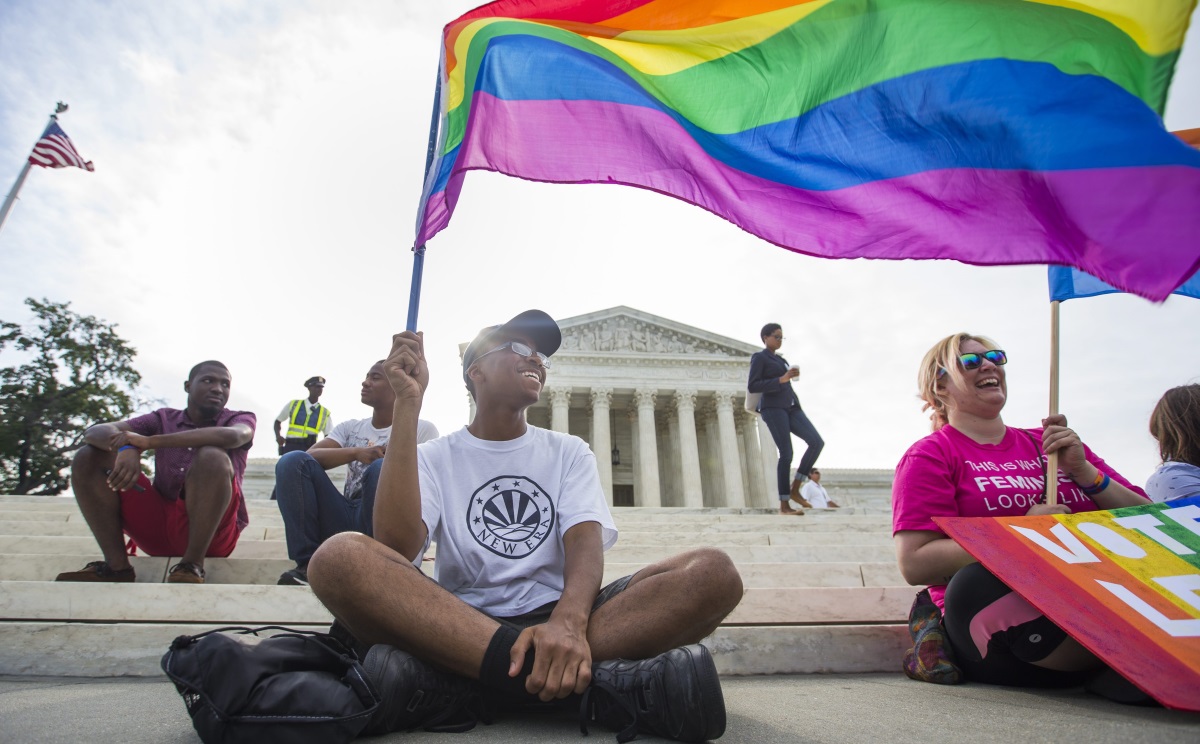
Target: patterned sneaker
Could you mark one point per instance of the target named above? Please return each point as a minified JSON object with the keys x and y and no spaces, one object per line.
{"x":98,"y":571}
{"x":676,"y":695}
{"x":416,"y":695}
{"x":930,"y":659}
{"x":297,"y":576}
{"x":185,"y":573}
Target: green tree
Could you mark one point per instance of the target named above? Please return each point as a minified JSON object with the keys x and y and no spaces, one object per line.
{"x":62,"y":375}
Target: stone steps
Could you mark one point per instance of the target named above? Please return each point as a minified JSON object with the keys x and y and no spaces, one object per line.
{"x":85,"y":547}
{"x":26,"y":567}
{"x":78,"y":528}
{"x":134,"y":649}
{"x":40,"y":601}
{"x":822,"y":591}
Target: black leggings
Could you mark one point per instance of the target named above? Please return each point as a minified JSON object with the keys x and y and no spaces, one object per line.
{"x":997,"y":636}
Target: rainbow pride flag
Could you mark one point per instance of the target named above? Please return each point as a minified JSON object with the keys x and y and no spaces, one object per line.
{"x":991,"y":132}
{"x":1125,"y":583}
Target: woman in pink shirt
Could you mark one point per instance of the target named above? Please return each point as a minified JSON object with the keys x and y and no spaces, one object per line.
{"x":973,"y":465}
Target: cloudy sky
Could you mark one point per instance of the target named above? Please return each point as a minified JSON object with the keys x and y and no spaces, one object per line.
{"x":258,"y":166}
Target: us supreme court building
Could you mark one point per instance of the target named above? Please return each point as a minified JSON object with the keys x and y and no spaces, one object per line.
{"x":661,"y":404}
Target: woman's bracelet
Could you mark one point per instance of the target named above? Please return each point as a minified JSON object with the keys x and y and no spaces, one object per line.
{"x":1101,"y":483}
{"x":127,"y":446}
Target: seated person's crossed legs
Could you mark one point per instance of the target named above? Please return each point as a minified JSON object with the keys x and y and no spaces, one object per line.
{"x":516,"y":611}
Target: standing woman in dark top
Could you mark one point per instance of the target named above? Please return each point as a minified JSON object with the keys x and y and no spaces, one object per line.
{"x":771,"y":375}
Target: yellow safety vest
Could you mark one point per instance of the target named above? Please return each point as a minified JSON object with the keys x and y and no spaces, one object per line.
{"x":301,"y":427}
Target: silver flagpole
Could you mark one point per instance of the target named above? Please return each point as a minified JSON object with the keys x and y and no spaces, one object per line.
{"x":16,"y":189}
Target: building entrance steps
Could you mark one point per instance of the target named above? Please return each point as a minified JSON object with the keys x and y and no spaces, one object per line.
{"x":41,"y":601}
{"x":18,"y":567}
{"x":673,"y":536}
{"x":82,"y":649}
{"x":621,"y":553}
{"x":822,"y":591}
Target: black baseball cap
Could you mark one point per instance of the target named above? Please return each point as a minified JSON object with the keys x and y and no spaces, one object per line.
{"x":535,"y":325}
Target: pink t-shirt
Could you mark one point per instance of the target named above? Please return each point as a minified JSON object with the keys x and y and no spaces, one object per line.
{"x":948,"y":474}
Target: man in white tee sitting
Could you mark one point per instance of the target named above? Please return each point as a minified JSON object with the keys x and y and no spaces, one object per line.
{"x":312,"y":507}
{"x":516,"y":614}
{"x":814,"y":493}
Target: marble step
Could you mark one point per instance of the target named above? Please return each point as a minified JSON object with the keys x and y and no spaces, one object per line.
{"x":772,"y":520}
{"x":41,"y":601}
{"x":620,"y":513}
{"x":134,"y":649}
{"x":682,"y":538}
{"x":621,"y":553}
{"x":18,"y":567}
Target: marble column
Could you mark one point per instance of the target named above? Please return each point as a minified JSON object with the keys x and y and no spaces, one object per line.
{"x":770,"y":458}
{"x":740,"y":438}
{"x":689,"y":450}
{"x":730,"y":463}
{"x":635,"y":465}
{"x":668,"y":458}
{"x":602,"y":438}
{"x":710,"y":460}
{"x":647,"y":449}
{"x":560,"y":406}
{"x":760,"y":494}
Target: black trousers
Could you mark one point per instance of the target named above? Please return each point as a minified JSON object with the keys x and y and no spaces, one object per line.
{"x":297,"y":445}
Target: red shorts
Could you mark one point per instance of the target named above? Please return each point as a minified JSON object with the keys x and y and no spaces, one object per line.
{"x":159,"y":526}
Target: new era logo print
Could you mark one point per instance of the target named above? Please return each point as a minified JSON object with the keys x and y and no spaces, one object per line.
{"x":510,"y":516}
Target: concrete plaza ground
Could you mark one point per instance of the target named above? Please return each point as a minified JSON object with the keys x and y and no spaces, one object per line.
{"x":832,"y":708}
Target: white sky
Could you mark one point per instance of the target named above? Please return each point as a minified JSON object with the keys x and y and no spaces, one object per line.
{"x":258,"y":166}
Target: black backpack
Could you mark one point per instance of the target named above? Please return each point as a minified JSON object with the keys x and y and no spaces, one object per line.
{"x":291,"y":687}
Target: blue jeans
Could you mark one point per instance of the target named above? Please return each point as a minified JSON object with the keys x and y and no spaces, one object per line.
{"x":783,"y":422}
{"x":314,"y":509}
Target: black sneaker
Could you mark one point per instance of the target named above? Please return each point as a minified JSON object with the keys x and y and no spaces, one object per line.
{"x":416,"y":695}
{"x":297,"y":576}
{"x":676,"y":695}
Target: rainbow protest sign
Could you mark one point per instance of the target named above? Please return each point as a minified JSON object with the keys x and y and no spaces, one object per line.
{"x":1125,"y":583}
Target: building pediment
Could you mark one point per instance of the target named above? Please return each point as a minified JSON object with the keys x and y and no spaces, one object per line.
{"x":624,"y":330}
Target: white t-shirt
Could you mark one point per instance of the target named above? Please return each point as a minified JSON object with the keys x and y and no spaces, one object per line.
{"x":815,"y":494}
{"x":498,"y":512}
{"x":285,"y":416}
{"x":360,"y":433}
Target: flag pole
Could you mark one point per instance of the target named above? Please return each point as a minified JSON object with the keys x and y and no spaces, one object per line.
{"x":414,"y":292}
{"x":1052,"y":458}
{"x":59,"y":108}
{"x":12,"y":195}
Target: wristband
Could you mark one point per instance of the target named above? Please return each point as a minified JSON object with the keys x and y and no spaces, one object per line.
{"x":125,"y":447}
{"x":1102,"y":481}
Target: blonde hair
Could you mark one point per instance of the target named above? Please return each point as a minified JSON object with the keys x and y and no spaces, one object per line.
{"x":944,"y":356}
{"x":1175,"y":423}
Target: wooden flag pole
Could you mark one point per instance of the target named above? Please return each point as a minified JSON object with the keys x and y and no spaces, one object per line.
{"x":1052,"y":458}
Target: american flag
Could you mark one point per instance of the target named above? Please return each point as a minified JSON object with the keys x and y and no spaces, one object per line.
{"x":55,"y":150}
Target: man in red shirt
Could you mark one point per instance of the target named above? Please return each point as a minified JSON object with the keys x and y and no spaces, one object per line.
{"x":194,"y":508}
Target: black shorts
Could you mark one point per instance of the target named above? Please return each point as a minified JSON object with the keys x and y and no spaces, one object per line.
{"x":542,"y":614}
{"x":1012,"y":643}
